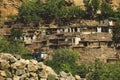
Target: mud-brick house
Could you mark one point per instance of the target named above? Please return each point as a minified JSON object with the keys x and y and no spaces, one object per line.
{"x":96,"y":35}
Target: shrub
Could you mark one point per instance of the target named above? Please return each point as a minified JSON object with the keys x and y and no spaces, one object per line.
{"x":14,"y":47}
{"x":63,"y":60}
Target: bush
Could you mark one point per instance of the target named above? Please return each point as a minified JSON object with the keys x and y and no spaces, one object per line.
{"x":14,"y":47}
{"x":66,"y":60}
{"x":16,"y":32}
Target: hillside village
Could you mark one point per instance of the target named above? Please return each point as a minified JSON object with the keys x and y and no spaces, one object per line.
{"x":78,"y":39}
{"x":92,"y":39}
{"x":87,"y":37}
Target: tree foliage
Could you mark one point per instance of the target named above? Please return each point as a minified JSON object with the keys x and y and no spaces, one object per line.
{"x":63,"y":59}
{"x":102,"y":71}
{"x":14,"y":47}
{"x":116,"y":33}
{"x":51,"y":11}
{"x":16,"y":33}
{"x":29,"y":12}
{"x":91,"y":8}
{"x":106,"y":11}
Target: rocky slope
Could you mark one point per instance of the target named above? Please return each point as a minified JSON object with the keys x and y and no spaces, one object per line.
{"x":8,"y":7}
{"x":16,"y":68}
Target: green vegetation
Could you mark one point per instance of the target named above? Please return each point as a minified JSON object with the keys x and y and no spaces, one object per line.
{"x":16,"y":33}
{"x":14,"y":47}
{"x":52,"y":11}
{"x":91,"y":8}
{"x":116,"y":33}
{"x":101,"y":71}
{"x":106,"y":11}
{"x":29,"y":12}
{"x":12,"y":17}
{"x":58,"y":12}
{"x":66,"y":60}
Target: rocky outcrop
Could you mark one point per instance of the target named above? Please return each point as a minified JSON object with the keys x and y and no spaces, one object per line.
{"x":16,"y":68}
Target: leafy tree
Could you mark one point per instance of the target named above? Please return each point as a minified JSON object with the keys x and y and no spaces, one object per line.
{"x":75,"y":12}
{"x":63,"y":59}
{"x":54,"y":10}
{"x":106,"y":11}
{"x":4,"y":45}
{"x":17,"y":47}
{"x":81,"y":70}
{"x":95,"y":5}
{"x":91,"y":8}
{"x":116,"y":33}
{"x":14,"y":47}
{"x":102,"y":71}
{"x":16,"y":33}
{"x":29,"y":12}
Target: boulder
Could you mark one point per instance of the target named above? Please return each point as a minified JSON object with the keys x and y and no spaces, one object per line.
{"x":77,"y":77}
{"x":49,"y":70}
{"x":66,"y":76}
{"x":4,"y":64}
{"x":3,"y":73}
{"x":8,"y":57}
{"x":33,"y":61}
{"x":43,"y":74}
{"x":32,"y":74}
{"x":2,"y":78}
{"x":16,"y":77}
{"x":34,"y":78}
{"x":19,"y":64}
{"x":19,"y":72}
{"x":8,"y":79}
{"x":32,"y":67}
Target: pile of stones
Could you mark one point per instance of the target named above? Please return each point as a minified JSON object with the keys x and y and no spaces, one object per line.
{"x":16,"y":68}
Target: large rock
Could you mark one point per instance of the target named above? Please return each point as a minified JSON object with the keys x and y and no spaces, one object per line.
{"x":8,"y":57}
{"x":16,"y":77}
{"x":3,"y":73}
{"x":2,"y":78}
{"x":4,"y":64}
{"x":66,"y":76}
{"x":32,"y":67}
{"x":19,"y":72}
{"x":21,"y":64}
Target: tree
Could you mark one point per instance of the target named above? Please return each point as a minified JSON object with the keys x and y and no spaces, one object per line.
{"x":4,"y":45}
{"x":102,"y":71}
{"x":63,"y":60}
{"x":54,"y":11}
{"x":16,"y":33}
{"x":75,"y":12}
{"x":106,"y":11}
{"x":116,"y":33}
{"x":29,"y":12}
{"x":91,"y":8}
{"x":13,"y":47}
